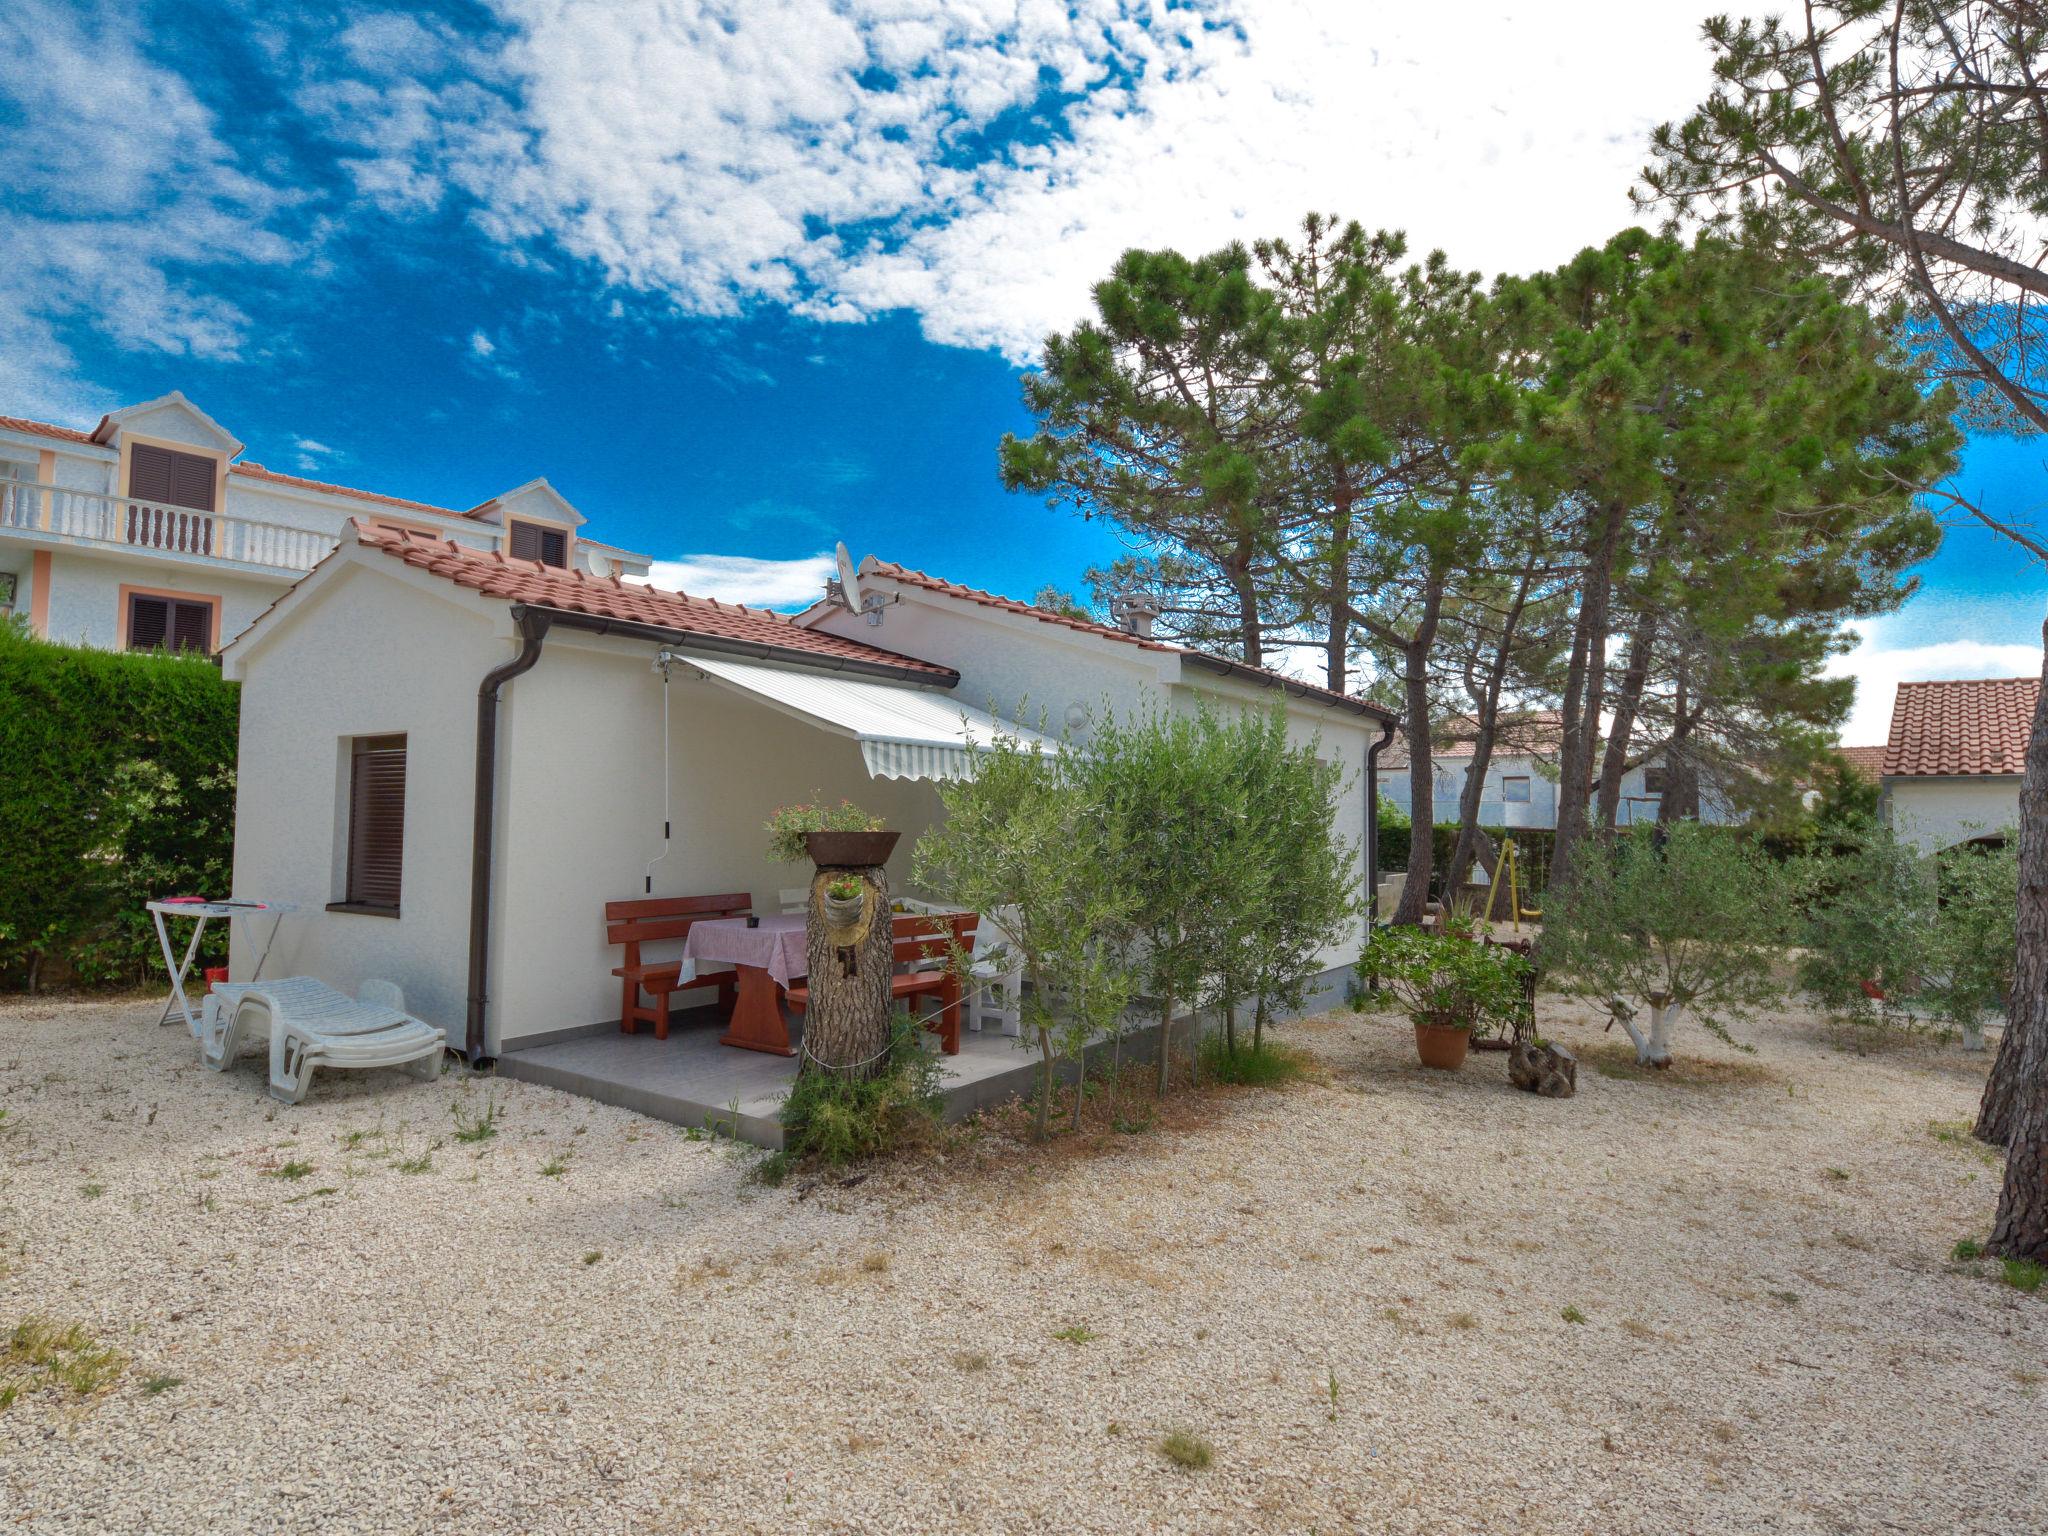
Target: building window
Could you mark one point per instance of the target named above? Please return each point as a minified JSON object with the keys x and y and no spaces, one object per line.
{"x":1656,"y":779}
{"x":536,"y":541}
{"x":376,"y":823}
{"x":1514,"y":789}
{"x":172,"y":478}
{"x":158,"y":623}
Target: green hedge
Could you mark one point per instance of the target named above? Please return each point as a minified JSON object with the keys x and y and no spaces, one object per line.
{"x":117,"y":784}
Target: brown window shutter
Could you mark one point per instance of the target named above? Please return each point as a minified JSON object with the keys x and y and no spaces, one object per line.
{"x":149,"y":622}
{"x":376,"y":821}
{"x":191,"y":627}
{"x":530,"y":541}
{"x":172,"y":478}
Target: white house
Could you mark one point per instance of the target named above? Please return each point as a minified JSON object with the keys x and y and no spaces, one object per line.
{"x":1520,"y":789}
{"x":1952,"y":767}
{"x":539,"y":746}
{"x":151,"y":529}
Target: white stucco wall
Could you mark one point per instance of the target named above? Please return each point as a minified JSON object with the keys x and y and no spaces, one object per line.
{"x":85,"y":593}
{"x":376,"y":655}
{"x":1933,"y":814}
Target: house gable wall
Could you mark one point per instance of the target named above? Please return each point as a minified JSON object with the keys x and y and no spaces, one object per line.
{"x":1936,"y":813}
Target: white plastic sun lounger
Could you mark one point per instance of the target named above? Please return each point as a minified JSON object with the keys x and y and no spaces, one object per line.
{"x":313,"y":1025}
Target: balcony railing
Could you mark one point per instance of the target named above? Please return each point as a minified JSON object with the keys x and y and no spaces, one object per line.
{"x":123,"y":522}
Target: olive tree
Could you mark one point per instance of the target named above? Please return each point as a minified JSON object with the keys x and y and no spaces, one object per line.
{"x":1685,"y":918}
{"x":1865,"y":923}
{"x":1026,"y":837}
{"x":1975,"y":943}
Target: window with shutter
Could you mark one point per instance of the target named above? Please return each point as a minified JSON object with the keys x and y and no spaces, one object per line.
{"x":169,"y":623}
{"x":1656,"y":780}
{"x":376,"y":822}
{"x":534,"y":541}
{"x":172,"y":478}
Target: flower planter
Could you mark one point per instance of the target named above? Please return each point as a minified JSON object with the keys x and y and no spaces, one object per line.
{"x":1441,"y":1046}
{"x":850,"y":850}
{"x":843,"y":911}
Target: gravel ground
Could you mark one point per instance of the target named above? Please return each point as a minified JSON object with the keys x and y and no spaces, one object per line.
{"x":1352,"y":1291}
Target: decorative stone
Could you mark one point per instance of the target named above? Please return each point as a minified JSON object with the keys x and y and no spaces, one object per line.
{"x":1547,"y":1070}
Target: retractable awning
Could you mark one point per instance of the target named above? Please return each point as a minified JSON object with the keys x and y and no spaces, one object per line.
{"x":904,"y":732}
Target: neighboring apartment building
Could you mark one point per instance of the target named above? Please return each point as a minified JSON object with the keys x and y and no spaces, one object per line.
{"x":1951,"y":770}
{"x":150,"y":529}
{"x":1521,"y":778}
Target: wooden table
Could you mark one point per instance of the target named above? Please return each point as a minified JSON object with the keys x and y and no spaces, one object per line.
{"x":767,"y":958}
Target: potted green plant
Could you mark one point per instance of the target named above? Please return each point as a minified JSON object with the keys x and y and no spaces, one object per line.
{"x":843,"y":895}
{"x":1447,"y":985}
{"x":841,"y":836}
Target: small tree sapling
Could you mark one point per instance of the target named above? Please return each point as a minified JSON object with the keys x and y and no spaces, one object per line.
{"x":1686,"y":919}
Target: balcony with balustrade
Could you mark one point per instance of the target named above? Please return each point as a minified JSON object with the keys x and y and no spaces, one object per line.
{"x":54,"y":514}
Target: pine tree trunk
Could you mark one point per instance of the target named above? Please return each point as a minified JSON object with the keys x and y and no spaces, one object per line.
{"x":1421,"y":773}
{"x":2015,"y":1108}
{"x":1585,"y":688}
{"x":846,"y":1027}
{"x":1614,"y":760}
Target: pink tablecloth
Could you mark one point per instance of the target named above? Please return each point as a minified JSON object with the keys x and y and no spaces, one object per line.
{"x":777,"y":946}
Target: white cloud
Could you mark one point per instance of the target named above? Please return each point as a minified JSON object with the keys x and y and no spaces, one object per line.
{"x":847,"y":157}
{"x":311,"y":452}
{"x":122,"y":197}
{"x":784,"y":584}
{"x":481,"y":345}
{"x":1879,"y":667}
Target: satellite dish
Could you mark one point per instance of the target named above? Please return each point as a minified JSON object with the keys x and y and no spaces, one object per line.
{"x":600,"y":565}
{"x":849,"y":579}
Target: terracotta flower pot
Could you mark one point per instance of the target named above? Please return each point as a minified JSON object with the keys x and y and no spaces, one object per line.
{"x":850,"y":850}
{"x":1441,"y":1046}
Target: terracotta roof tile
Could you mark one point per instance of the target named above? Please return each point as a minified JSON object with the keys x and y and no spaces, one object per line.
{"x":931,"y":583}
{"x":1868,"y":762}
{"x":495,"y":574}
{"x":1964,"y":726}
{"x":44,"y":429}
{"x":255,"y":471}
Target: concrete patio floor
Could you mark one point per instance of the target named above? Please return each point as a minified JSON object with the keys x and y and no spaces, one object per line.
{"x":690,"y":1079}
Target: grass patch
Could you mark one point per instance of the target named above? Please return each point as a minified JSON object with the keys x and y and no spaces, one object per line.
{"x":1956,"y":1134}
{"x":471,"y":1126}
{"x":1189,"y":1452}
{"x":418,"y":1164}
{"x":2023,"y":1274}
{"x":313,"y":1194}
{"x":830,"y":1121}
{"x":43,"y":1354}
{"x":876,"y":1263}
{"x":969,"y":1360}
{"x":1572,"y":1315}
{"x":1463,"y":1320}
{"x":1617,"y":1059}
{"x":1080,"y":1333}
{"x":91,"y":1191}
{"x":297,"y":1168}
{"x":1268,"y":1067}
{"x":156,"y":1386}
{"x":555,"y":1166}
{"x":593,"y":1256}
{"x":1966,"y":1249}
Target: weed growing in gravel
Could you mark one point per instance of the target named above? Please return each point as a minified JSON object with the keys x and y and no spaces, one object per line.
{"x":1191,"y":1452}
{"x":91,"y":1191}
{"x":1838,"y":1175}
{"x":156,"y":1385}
{"x":2023,"y":1274}
{"x":1636,"y":1328}
{"x":1572,"y":1315}
{"x":593,"y":1256}
{"x":876,"y":1263}
{"x":1333,"y":1397}
{"x":313,"y":1194}
{"x":419,"y":1164}
{"x":1956,"y":1133}
{"x":555,"y":1166}
{"x":1786,"y":1298}
{"x":297,"y":1168}
{"x":43,"y":1353}
{"x":1080,"y":1333}
{"x":1463,"y":1320}
{"x":969,"y":1360}
{"x":1266,"y":1067}
{"x":1966,"y":1249}
{"x":470,"y":1126}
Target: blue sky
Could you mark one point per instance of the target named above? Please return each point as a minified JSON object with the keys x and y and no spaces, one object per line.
{"x":742,"y":278}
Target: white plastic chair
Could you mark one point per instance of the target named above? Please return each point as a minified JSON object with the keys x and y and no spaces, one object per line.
{"x":314,"y":1025}
{"x":996,"y":977}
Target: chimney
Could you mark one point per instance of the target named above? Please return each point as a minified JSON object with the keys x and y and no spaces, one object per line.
{"x":1133,"y":612}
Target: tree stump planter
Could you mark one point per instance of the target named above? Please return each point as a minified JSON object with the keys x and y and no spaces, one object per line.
{"x":1549,"y":1071}
{"x":846,"y":1023}
{"x":1441,"y":1047}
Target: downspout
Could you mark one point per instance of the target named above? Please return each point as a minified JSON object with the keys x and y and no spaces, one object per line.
{"x":1372,"y":823}
{"x":533,"y":629}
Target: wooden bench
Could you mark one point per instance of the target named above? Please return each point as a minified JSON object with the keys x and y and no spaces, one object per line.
{"x":650,"y":921}
{"x":924,"y":943}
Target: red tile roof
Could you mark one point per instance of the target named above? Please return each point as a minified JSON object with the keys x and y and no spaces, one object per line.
{"x":1868,"y":762}
{"x":255,"y":471}
{"x":496,"y":574}
{"x":1965,"y":726}
{"x":44,"y":429}
{"x":937,"y":584}
{"x":1532,"y":733}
